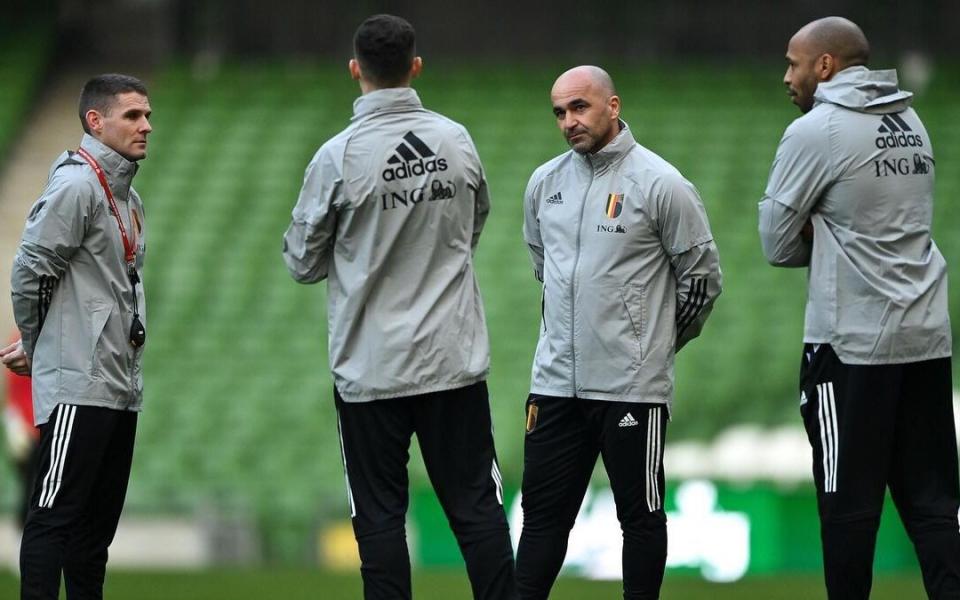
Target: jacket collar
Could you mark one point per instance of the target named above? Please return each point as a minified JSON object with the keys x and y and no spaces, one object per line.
{"x":404,"y":98}
{"x":119,"y":170}
{"x":863,"y":90}
{"x":613,"y":152}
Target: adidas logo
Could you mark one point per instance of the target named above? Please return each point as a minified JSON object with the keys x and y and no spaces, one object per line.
{"x":896,"y":136}
{"x":628,"y":421}
{"x":413,"y":158}
{"x":555,"y":199}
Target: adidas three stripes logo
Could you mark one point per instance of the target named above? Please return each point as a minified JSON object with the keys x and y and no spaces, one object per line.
{"x":829,"y":435}
{"x":654,"y":458}
{"x":62,"y":430}
{"x":892,"y":123}
{"x":411,"y":148}
{"x":693,"y":304}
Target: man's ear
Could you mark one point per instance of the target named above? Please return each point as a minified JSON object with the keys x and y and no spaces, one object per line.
{"x":825,"y":67}
{"x":354,"y":67}
{"x":416,"y":67}
{"x":94,"y":120}
{"x":614,"y":104}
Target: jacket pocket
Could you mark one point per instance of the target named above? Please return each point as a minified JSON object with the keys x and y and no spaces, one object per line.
{"x":99,"y":316}
{"x":543,"y":308}
{"x":634,"y":298}
{"x":607,"y":337}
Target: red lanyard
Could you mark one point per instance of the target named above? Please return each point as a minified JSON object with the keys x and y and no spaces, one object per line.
{"x":128,"y":247}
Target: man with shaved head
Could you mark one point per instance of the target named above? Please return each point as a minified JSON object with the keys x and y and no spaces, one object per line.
{"x":621,"y":242}
{"x":818,"y":51}
{"x":850,"y":196}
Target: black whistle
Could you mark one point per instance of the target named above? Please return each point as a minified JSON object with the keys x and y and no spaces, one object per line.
{"x":132,"y":274}
{"x":138,"y":333}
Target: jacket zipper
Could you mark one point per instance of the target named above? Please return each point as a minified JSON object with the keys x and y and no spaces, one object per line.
{"x":133,"y":384}
{"x":132,"y":356}
{"x":573,"y":282}
{"x":132,"y":360}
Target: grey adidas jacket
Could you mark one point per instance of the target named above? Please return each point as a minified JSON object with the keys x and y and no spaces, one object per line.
{"x":390,"y":213}
{"x":860,"y":167}
{"x":72,"y":298}
{"x":630,"y":272}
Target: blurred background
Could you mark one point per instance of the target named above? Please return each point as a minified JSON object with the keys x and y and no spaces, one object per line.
{"x":237,"y":485}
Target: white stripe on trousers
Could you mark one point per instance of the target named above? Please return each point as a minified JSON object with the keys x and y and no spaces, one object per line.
{"x":497,"y":481}
{"x":54,"y":455}
{"x":346,"y":476}
{"x":829,"y":436}
{"x":63,"y":428}
{"x":653,"y":458}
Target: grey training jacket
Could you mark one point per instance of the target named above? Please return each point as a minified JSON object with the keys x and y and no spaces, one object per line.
{"x":72,"y":298}
{"x":390,"y":213}
{"x":630,"y":272}
{"x":860,"y":167}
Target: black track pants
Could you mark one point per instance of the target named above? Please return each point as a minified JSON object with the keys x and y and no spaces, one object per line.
{"x":81,"y":483}
{"x":873,"y":427}
{"x":456,"y":440}
{"x":564,"y":438}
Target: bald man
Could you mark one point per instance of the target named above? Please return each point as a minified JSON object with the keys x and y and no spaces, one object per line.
{"x":850,"y":196}
{"x":621,"y":242}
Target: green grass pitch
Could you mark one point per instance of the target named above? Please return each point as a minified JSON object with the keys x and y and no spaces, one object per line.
{"x":442,"y":585}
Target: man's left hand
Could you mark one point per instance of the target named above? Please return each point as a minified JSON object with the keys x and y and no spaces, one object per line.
{"x":15,"y":359}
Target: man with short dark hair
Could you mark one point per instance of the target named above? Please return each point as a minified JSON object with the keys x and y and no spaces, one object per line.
{"x":79,"y":305}
{"x":850,"y":196}
{"x":630,"y":272}
{"x":390,"y":213}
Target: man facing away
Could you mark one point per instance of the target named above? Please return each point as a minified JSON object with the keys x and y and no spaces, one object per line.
{"x":850,"y":196}
{"x":79,"y":305}
{"x":630,"y":272}
{"x":390,"y":213}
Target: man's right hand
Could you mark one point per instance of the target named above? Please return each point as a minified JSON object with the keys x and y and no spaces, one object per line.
{"x":15,"y":359}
